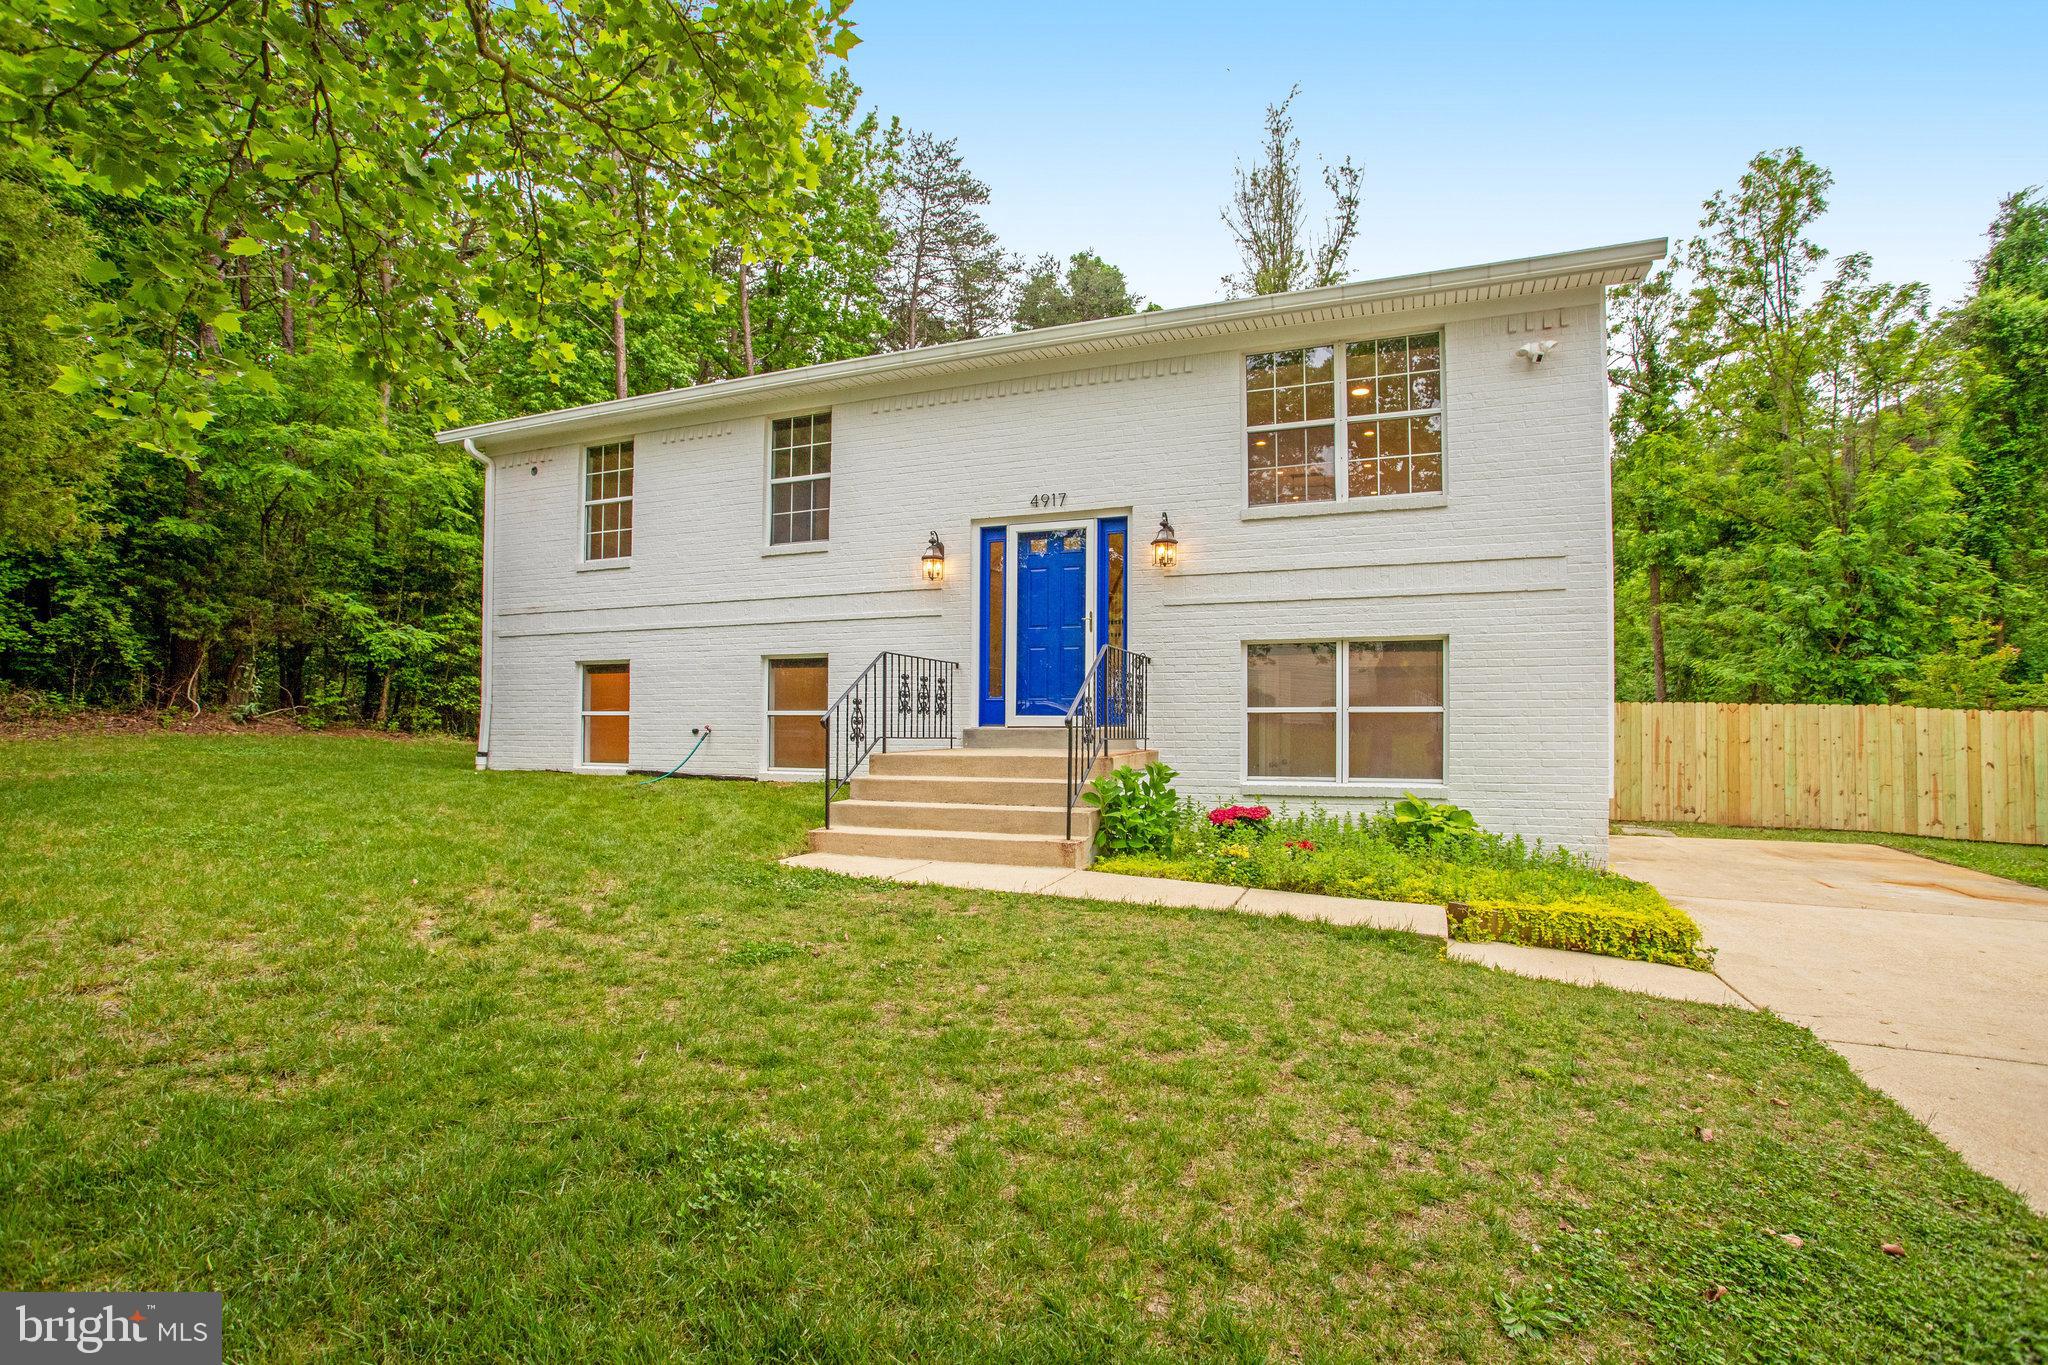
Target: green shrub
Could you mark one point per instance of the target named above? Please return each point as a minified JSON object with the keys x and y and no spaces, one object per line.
{"x":1545,"y":897}
{"x":1138,"y":807}
{"x":1417,"y":821}
{"x":1661,"y":933}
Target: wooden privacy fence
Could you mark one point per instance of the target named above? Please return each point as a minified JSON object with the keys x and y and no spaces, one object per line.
{"x":1896,"y":769}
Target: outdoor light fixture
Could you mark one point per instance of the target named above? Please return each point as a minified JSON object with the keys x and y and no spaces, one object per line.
{"x":1165,"y":546}
{"x":934,"y":560}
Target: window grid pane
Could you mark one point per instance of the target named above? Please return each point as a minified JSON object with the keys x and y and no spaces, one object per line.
{"x":608,"y":501}
{"x":800,"y":483}
{"x":1392,"y":411}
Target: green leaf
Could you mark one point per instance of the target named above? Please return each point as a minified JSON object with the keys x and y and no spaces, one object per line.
{"x":244,"y":246}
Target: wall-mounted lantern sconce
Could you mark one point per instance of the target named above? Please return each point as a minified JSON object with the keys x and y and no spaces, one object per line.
{"x":934,"y":560}
{"x":1165,"y":547}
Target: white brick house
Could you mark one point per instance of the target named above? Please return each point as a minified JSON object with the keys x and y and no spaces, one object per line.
{"x":1350,"y":614}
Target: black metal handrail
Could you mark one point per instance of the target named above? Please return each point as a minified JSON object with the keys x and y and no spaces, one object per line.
{"x":898,"y":696}
{"x":1111,"y":705}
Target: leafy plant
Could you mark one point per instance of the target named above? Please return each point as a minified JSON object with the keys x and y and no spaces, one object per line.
{"x":1419,"y":821}
{"x":1532,"y":1314}
{"x":1138,"y":809}
{"x":1501,"y":888}
{"x":1647,"y":933}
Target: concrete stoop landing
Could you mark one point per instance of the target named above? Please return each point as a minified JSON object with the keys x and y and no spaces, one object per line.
{"x":1000,"y":798}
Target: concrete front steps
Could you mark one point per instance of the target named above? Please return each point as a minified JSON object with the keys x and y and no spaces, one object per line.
{"x":1002,"y":798}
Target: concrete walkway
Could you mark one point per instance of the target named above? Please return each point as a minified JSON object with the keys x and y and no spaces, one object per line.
{"x":1582,"y":969}
{"x":1930,"y":979}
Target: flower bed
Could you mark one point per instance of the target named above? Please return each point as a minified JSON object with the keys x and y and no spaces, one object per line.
{"x":1504,"y":889}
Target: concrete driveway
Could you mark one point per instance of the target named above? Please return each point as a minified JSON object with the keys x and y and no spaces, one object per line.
{"x":1932,"y":980}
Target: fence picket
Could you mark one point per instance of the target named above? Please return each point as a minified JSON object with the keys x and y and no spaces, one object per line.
{"x":1899,"y":769}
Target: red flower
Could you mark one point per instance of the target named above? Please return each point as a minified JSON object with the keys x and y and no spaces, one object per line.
{"x":1305,"y":845}
{"x":1223,"y":817}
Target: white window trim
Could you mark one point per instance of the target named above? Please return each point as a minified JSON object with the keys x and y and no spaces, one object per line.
{"x":584,"y":713}
{"x":1340,"y":375}
{"x":1342,"y":711}
{"x":768,"y":711}
{"x":583,"y":556}
{"x":793,"y":547}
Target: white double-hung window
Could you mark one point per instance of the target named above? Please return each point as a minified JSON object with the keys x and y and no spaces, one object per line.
{"x":800,"y":480}
{"x":1369,"y":711}
{"x":1361,"y":419}
{"x":608,"y":501}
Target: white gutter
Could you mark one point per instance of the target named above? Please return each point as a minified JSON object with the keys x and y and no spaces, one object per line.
{"x":483,"y":609}
{"x":1598,"y":266}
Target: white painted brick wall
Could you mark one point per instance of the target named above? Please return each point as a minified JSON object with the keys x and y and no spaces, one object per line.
{"x":1514,"y":569}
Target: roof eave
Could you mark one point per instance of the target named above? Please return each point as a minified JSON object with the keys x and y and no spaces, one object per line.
{"x":1618,"y":264}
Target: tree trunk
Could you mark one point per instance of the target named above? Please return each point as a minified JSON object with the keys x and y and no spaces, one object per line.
{"x":291,"y":674}
{"x":187,"y":661}
{"x":241,"y":676}
{"x":619,"y":346}
{"x":287,"y":320}
{"x":746,"y":320}
{"x":384,"y":699}
{"x":1657,"y":628}
{"x":384,"y":389}
{"x":187,"y":666}
{"x":373,"y":690}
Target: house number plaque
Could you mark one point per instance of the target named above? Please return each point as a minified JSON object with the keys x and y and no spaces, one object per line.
{"x":1043,"y":500}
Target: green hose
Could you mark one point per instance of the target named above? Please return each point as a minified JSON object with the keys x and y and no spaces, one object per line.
{"x":686,"y":758}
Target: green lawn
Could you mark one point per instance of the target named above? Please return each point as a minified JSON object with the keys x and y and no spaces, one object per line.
{"x":2016,"y":862}
{"x":413,"y":1063}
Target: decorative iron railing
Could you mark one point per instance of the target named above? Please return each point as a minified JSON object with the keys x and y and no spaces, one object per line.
{"x":1110,"y":706}
{"x":898,"y":696}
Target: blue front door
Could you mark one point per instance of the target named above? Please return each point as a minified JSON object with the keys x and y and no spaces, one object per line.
{"x":1052,"y":619}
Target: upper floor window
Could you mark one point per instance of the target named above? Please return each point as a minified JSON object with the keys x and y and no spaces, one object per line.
{"x":800,"y":480}
{"x":608,"y":501}
{"x":1383,"y":435}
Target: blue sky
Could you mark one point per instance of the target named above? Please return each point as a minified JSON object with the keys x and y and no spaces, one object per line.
{"x":1485,"y":130}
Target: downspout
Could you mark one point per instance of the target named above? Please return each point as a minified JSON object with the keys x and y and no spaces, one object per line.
{"x":483,"y":710}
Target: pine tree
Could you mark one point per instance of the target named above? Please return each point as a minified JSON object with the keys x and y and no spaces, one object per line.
{"x":1090,"y":287}
{"x":948,"y":276}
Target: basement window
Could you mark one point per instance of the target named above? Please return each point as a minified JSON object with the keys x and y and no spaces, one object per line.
{"x":796,"y":707}
{"x":607,"y":714}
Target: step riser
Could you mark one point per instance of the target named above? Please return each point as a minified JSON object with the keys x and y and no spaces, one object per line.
{"x":974,"y":819}
{"x":950,"y":848}
{"x":981,"y":791}
{"x":967,"y":763}
{"x":1045,"y":739}
{"x":989,"y":763}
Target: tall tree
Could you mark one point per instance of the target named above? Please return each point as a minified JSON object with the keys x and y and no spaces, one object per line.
{"x":1654,"y":526}
{"x":948,"y":276}
{"x":417,"y":161}
{"x":2004,"y":424}
{"x":1782,"y":458}
{"x":1268,"y":212}
{"x":1089,"y":287}
{"x":51,"y":460}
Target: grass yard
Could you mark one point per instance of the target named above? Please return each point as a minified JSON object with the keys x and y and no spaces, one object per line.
{"x":416,"y":1063}
{"x":2016,"y":862}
